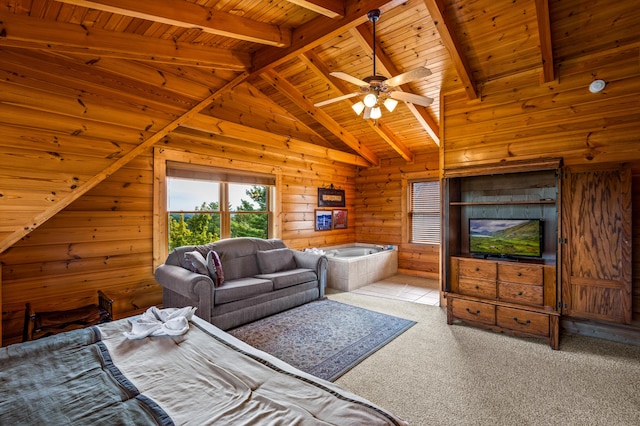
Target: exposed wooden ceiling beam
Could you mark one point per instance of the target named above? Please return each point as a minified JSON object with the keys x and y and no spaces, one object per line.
{"x":320,"y":68}
{"x":34,"y":33}
{"x":544,"y":32}
{"x":294,"y":95}
{"x":428,"y":123}
{"x":318,"y":31}
{"x":333,"y":9}
{"x":191,"y":15}
{"x":113,"y":167}
{"x":446,"y":29}
{"x":254,"y":98}
{"x":216,"y":126}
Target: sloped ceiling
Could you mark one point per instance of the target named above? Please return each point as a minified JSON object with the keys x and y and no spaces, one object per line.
{"x":252,"y":71}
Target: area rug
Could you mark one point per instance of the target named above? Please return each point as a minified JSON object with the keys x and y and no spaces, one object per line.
{"x":324,"y":338}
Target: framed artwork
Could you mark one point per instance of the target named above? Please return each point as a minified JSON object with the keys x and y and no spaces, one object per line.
{"x":324,"y":220}
{"x":340,"y":219}
{"x":329,"y":197}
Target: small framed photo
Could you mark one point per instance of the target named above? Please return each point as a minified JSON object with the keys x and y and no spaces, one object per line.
{"x":340,"y":219}
{"x":324,"y":220}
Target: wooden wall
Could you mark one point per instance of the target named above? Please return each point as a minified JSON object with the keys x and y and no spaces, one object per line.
{"x":104,"y":240}
{"x":381,"y":211}
{"x":519,"y":118}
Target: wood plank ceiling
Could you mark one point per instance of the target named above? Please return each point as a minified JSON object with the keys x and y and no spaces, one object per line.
{"x":252,"y":70}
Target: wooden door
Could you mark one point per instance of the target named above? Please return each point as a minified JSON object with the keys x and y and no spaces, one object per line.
{"x":596,"y":215}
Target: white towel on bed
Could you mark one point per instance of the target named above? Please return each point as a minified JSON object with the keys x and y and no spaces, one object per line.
{"x":161,"y":322}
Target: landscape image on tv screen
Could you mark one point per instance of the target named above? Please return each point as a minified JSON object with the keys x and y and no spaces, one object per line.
{"x":506,"y":237}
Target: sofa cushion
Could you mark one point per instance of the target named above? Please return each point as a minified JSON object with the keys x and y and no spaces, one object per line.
{"x":215,"y":268}
{"x":275,"y":260}
{"x":196,"y":262}
{"x":289,"y":278}
{"x":242,"y":288}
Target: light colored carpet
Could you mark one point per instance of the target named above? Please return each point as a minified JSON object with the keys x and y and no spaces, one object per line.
{"x":437,"y":374}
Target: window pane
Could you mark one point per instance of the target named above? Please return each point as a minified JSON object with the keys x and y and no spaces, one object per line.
{"x":193,"y":229}
{"x":192,"y":195}
{"x":425,"y":212}
{"x":247,"y":198}
{"x":249,"y":225}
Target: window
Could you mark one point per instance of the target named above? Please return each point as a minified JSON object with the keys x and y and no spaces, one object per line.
{"x":208,"y":204}
{"x":424,"y":214}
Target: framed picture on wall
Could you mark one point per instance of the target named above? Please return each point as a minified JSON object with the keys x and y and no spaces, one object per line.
{"x":340,"y":219}
{"x":324,"y":220}
{"x":330,"y":197}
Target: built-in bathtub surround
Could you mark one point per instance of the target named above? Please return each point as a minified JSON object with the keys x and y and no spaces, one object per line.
{"x":355,"y":265}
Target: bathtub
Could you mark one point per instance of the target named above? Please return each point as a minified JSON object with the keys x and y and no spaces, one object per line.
{"x":356,"y":265}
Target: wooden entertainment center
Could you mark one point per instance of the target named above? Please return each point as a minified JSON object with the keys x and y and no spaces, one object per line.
{"x":516,"y":296}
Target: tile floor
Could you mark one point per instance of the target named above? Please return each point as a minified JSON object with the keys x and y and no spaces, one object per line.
{"x":405,"y":287}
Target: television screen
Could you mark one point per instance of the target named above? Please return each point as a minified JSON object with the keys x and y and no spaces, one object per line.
{"x":506,"y":237}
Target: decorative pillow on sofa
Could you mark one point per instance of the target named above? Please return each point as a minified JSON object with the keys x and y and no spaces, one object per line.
{"x":215,"y":268}
{"x":196,"y":262}
{"x":276,"y":260}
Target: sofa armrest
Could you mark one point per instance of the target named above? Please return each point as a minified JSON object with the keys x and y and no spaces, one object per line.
{"x":196,"y":287}
{"x":316,"y":262}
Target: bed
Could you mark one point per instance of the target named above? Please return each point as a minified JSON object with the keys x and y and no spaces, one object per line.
{"x":97,"y":375}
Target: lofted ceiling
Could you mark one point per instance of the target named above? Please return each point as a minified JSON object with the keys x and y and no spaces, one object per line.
{"x":89,"y":85}
{"x":253,"y":70}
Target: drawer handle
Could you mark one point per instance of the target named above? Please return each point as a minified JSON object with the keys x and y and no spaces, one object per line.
{"x":519,"y":293}
{"x":477,"y":287}
{"x":527,"y":322}
{"x":519,"y":274}
{"x":477,"y":269}
{"x":473,"y":313}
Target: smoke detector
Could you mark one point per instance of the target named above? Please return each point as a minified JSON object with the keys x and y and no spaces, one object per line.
{"x":597,"y":86}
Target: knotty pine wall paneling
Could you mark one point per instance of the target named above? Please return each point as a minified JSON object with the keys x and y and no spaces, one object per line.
{"x":381,"y":211}
{"x":102,"y":241}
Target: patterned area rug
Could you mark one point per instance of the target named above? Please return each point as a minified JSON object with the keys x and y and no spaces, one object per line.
{"x":324,"y":338}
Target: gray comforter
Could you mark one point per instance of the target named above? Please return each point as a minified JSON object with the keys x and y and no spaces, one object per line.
{"x":97,"y":376}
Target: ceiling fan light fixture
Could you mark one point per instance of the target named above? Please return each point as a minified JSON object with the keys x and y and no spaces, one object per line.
{"x":358,"y":107}
{"x":370,"y":100}
{"x":367,"y":113}
{"x":376,"y":113}
{"x":390,"y":104}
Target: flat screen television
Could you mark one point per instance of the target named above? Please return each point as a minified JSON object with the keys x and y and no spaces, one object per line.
{"x":508,"y":238}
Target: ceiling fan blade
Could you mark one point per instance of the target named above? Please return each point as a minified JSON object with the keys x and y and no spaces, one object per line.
{"x":413,"y":75}
{"x":349,"y":78}
{"x":339,"y":98}
{"x":411,"y":97}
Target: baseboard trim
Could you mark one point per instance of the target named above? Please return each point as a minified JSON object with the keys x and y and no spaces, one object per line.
{"x":620,"y":333}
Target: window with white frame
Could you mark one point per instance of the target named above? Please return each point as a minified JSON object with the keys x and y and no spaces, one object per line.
{"x":424,"y":212}
{"x":206,"y":204}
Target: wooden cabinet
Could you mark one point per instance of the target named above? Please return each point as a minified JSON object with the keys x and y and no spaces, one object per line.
{"x":597,"y":271}
{"x":517,"y":296}
{"x":504,"y":296}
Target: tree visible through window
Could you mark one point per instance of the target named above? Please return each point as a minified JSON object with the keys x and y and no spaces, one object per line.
{"x":197,"y":214}
{"x":425,"y":212}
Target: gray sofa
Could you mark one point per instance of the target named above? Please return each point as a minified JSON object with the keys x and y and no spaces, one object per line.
{"x":253,"y":278}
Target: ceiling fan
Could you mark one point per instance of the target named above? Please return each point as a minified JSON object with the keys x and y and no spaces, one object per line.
{"x":380,"y":90}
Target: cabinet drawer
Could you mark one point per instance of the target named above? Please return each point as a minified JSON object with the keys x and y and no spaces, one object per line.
{"x":477,"y":268}
{"x":520,"y":293}
{"x":520,"y":274}
{"x":478,"y":288}
{"x":474,"y":311}
{"x":530,"y":322}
